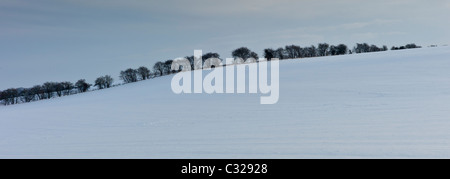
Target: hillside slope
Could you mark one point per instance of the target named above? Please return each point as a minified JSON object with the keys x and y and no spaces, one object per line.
{"x":377,"y":105}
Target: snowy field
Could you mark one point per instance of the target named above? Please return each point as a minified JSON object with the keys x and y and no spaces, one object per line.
{"x":392,"y":104}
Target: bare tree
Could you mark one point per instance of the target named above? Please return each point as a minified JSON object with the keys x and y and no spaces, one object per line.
{"x":281,"y":54}
{"x":341,"y":49}
{"x":38,"y":91}
{"x":27,"y":95}
{"x":67,"y":87}
{"x":191,"y":61}
{"x":362,"y":48}
{"x":100,"y":82}
{"x":269,"y":53}
{"x":312,"y":51}
{"x":167,"y":68}
{"x":374,"y":48}
{"x":2,"y":98}
{"x":244,"y":53}
{"x":59,"y":88}
{"x":143,"y":72}
{"x":9,"y":96}
{"x":159,"y":68}
{"x":210,"y":55}
{"x":108,"y":81}
{"x":129,"y":75}
{"x":407,"y":46}
{"x":293,"y":51}
{"x":82,"y":86}
{"x":322,"y":49}
{"x":49,"y":89}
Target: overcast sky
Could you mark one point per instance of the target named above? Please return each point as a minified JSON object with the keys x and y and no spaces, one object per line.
{"x":116,"y":34}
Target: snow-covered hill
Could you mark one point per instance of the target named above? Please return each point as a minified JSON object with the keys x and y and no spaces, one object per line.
{"x":392,"y":104}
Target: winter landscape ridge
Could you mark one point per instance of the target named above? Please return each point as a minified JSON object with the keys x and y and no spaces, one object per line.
{"x":391,"y":104}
